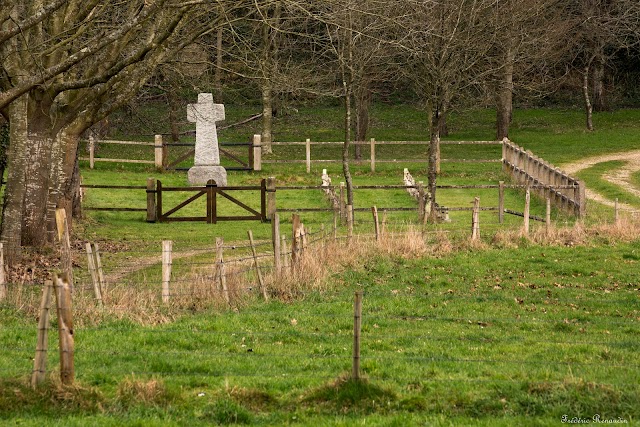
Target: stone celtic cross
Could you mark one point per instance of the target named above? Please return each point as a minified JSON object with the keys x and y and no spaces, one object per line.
{"x":205,"y":114}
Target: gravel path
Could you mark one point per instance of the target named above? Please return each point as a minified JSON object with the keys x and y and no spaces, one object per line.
{"x":621,"y":177}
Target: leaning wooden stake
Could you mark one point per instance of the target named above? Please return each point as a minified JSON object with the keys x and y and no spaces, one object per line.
{"x":3,"y":279}
{"x":65,"y":328}
{"x":93,"y":270}
{"x":349,"y":221}
{"x":475,"y":219}
{"x":527,"y":210}
{"x":222,"y":274}
{"x":263,"y":288}
{"x":40,"y":362}
{"x":101,"y":281}
{"x":167,"y":246}
{"x":376,"y":224}
{"x":357,"y":328}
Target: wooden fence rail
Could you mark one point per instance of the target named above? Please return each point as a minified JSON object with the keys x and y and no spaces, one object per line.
{"x":565,"y":191}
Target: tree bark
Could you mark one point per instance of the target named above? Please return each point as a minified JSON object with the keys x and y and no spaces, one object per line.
{"x":218,"y":70}
{"x":504,"y":98}
{"x":267,"y":117}
{"x":363,"y":102}
{"x":437,"y":116}
{"x":600,"y":102}
{"x":587,"y":102}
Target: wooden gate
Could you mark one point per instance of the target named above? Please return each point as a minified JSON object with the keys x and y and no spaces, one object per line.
{"x":211,"y":191}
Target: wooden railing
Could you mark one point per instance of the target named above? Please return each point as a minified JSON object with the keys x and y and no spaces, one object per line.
{"x":565,"y":191}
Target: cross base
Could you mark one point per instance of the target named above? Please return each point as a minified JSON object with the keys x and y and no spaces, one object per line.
{"x":199,"y":175}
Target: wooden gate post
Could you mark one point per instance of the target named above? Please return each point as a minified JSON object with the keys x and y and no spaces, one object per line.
{"x":152,"y":209}
{"x":212,"y":207}
{"x":159,"y":152}
{"x":271,"y":196}
{"x":65,"y":328}
{"x":257,"y":152}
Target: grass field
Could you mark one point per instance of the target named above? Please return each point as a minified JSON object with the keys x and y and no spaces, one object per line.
{"x":508,"y":331}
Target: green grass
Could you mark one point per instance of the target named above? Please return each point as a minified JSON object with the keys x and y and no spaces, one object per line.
{"x":512,"y":334}
{"x":476,"y":337}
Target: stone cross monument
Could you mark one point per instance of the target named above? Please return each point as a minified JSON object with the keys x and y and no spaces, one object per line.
{"x":206,"y":163}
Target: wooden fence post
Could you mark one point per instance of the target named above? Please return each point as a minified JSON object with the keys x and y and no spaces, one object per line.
{"x":421,"y":201}
{"x":3,"y":279}
{"x":308,"y":154}
{"x":296,"y":241}
{"x":349,"y":221}
{"x":271,"y":196}
{"x":527,"y":210}
{"x":40,"y":361}
{"x":275,"y":240}
{"x":263,"y":288}
{"x":92,"y":151}
{"x":372,"y":143}
{"x":65,"y":328}
{"x":357,"y":329}
{"x":158,"y":151}
{"x":376,"y":224}
{"x":285,"y":253}
{"x":93,"y":270}
{"x":547,"y":218}
{"x":96,"y":255}
{"x":152,"y":209}
{"x":501,"y":201}
{"x":222,"y":274}
{"x":475,"y":219}
{"x":65,"y":244}
{"x":167,"y":246}
{"x":257,"y":152}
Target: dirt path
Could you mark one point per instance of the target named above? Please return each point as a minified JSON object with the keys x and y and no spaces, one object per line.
{"x":621,"y":177}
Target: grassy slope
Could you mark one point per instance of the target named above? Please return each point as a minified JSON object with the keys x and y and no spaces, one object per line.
{"x":431,"y":325}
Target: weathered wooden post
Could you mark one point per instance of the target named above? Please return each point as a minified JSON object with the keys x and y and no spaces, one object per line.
{"x":257,"y":152}
{"x":263,"y":288}
{"x":275,"y":240}
{"x":167,"y":246}
{"x":158,"y":152}
{"x":65,"y":244}
{"x":343,"y":203}
{"x":93,"y":270}
{"x":357,"y":329}
{"x":222,"y":274}
{"x":475,"y":219}
{"x":285,"y":254}
{"x":152,"y":209}
{"x":296,"y":241}
{"x":271,"y":196}
{"x":92,"y":151}
{"x":308,"y":154}
{"x":65,"y":328}
{"x":372,"y":144}
{"x":501,"y":201}
{"x":376,"y":224}
{"x":40,"y":361}
{"x":547,"y":218}
{"x":101,"y":281}
{"x":527,"y":210}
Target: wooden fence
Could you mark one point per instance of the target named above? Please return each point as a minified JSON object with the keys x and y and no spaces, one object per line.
{"x":372,"y":144}
{"x":161,"y":153}
{"x":565,"y":192}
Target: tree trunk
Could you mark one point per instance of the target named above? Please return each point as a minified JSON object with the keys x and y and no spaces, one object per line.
{"x":11,"y":234}
{"x":437,"y":117}
{"x":267,"y":118}
{"x":363,"y":102}
{"x":504,"y":98}
{"x":347,"y":142}
{"x":599,"y":91}
{"x":218,"y":70}
{"x":587,"y":102}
